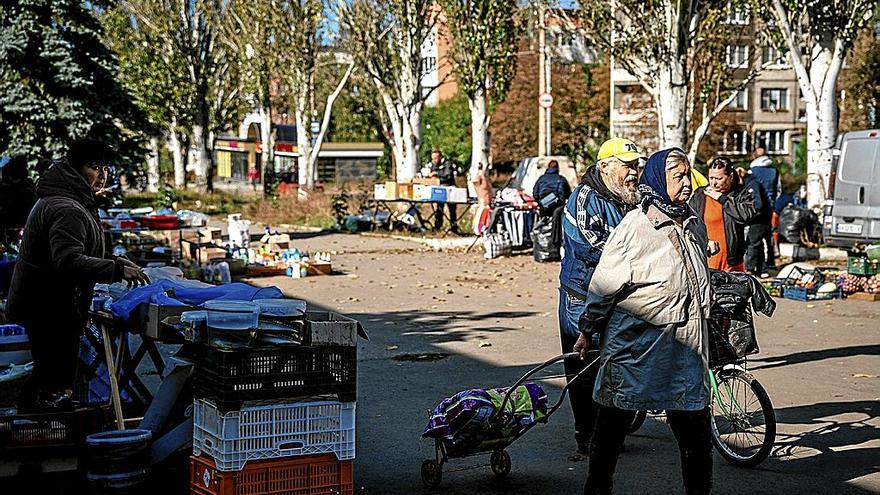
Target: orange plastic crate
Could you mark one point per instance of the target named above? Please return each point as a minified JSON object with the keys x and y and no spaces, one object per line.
{"x":305,"y":475}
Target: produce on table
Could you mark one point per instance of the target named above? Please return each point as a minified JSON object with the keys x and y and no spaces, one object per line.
{"x":858,"y":283}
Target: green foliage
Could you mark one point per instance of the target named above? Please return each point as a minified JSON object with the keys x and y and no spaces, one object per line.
{"x":355,"y":114}
{"x":59,"y":82}
{"x":484,"y":45}
{"x":447,"y":126}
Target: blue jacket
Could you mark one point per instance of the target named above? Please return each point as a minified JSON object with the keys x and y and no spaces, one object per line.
{"x":551,"y":182}
{"x":763,"y":172}
{"x":588,"y":221}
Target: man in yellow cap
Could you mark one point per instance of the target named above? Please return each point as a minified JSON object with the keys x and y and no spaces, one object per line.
{"x":607,"y":192}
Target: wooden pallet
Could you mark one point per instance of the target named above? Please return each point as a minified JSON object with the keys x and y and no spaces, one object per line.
{"x":865,"y":296}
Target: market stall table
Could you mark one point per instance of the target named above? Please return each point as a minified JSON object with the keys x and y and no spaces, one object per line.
{"x":378,"y":205}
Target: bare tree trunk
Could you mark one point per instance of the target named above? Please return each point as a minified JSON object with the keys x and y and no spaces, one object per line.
{"x":175,"y":147}
{"x":153,"y":166}
{"x":821,"y":124}
{"x":267,"y":150}
{"x":479,"y":134}
{"x":671,"y":103}
{"x":304,"y":170}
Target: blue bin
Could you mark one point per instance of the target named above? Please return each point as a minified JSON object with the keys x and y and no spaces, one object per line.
{"x":439,"y":193}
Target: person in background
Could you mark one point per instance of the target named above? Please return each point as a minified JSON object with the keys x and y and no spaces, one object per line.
{"x":606,"y":193}
{"x":254,"y":176}
{"x":761,"y":232}
{"x":483,"y":187}
{"x":726,"y":207}
{"x":61,"y":259}
{"x":649,"y":301}
{"x":551,"y":182}
{"x":446,"y":171}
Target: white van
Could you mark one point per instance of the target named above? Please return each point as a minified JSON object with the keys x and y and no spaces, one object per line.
{"x":530,"y":169}
{"x":854,"y":215}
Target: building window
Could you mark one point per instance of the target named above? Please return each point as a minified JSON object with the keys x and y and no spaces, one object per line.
{"x":564,"y":40}
{"x":771,"y":55}
{"x":774,"y":99}
{"x":429,"y":65}
{"x":740,"y":17}
{"x":735,"y":142}
{"x":741,"y":102}
{"x":774,"y":142}
{"x":737,"y":55}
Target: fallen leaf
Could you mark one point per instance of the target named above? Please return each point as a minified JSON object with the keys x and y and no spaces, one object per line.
{"x":863,"y":375}
{"x":485,"y":344}
{"x":391,"y":347}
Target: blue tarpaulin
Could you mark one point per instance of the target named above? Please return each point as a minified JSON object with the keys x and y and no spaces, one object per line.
{"x":185,"y":294}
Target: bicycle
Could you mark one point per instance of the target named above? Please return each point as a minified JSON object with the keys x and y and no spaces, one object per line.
{"x":743,"y":435}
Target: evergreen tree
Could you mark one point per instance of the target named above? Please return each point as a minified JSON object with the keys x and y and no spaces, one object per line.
{"x":58,"y":82}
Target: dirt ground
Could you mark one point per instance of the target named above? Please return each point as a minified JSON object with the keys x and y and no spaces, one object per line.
{"x":440,"y":322}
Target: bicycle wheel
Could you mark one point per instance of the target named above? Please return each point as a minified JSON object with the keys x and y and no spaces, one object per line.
{"x":743,"y":421}
{"x":637,"y":422}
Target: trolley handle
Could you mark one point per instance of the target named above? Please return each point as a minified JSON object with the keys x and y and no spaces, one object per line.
{"x":535,"y":370}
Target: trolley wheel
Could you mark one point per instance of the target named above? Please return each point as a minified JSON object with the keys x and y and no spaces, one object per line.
{"x":500,"y":461}
{"x":432,"y":473}
{"x":637,"y":422}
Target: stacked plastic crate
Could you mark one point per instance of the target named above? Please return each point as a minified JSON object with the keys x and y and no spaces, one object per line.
{"x":277,"y":418}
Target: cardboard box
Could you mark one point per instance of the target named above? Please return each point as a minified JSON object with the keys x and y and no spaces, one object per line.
{"x":457,"y":195}
{"x":379,"y":191}
{"x":421,"y":192}
{"x":326,"y":328}
{"x":320,"y":268}
{"x":391,"y":190}
{"x":207,"y":255}
{"x":426,"y":181}
{"x":189,"y":248}
{"x":276,"y":242}
{"x":210,"y":234}
{"x":405,"y":191}
{"x":152,"y":316}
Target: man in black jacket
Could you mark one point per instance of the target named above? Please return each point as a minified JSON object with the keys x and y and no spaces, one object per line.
{"x":62,"y":257}
{"x":446,"y":171}
{"x":738,"y":209}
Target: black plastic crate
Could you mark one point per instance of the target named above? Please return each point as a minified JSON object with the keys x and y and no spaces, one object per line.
{"x":51,"y":430}
{"x":230,"y":377}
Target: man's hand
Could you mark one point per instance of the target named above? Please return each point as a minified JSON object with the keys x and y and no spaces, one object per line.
{"x":713,"y":248}
{"x":582,"y":346}
{"x":133,"y":274}
{"x":712,"y":193}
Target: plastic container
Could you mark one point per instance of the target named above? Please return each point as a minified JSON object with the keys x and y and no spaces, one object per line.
{"x":158,"y":222}
{"x":228,"y":377}
{"x":232,"y":315}
{"x":118,"y":452}
{"x":804,"y":294}
{"x":273,"y":431}
{"x":307,"y":475}
{"x":860,"y":265}
{"x":50,"y":430}
{"x":15,"y":348}
{"x":286,"y":308}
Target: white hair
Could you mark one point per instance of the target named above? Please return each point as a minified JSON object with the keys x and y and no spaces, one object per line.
{"x":674,"y":158}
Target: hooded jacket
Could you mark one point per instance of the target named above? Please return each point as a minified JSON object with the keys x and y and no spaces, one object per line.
{"x":61,"y":255}
{"x":762,"y":170}
{"x":591,"y":213}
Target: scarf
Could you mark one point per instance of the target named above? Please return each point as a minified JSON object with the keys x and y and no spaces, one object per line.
{"x":652,"y":185}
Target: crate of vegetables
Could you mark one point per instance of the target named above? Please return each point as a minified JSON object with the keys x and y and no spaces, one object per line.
{"x":854,"y":284}
{"x":862,"y":265}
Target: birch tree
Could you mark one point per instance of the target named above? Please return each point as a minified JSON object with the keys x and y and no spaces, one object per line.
{"x":251,"y":33}
{"x":386,"y":38}
{"x":676,"y":52}
{"x":156,"y":76}
{"x":298,"y":65}
{"x":818,"y":35}
{"x":483,"y":50}
{"x":191,"y":29}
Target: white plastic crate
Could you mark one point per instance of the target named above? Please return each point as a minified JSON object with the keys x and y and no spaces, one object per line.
{"x":273,"y":431}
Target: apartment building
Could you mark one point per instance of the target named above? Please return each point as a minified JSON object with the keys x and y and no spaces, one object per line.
{"x":769,"y":112}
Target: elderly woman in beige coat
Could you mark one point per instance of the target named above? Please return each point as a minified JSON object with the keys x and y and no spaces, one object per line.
{"x":649,"y":300}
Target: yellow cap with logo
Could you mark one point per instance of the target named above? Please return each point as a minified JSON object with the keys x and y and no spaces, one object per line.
{"x":622,"y":149}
